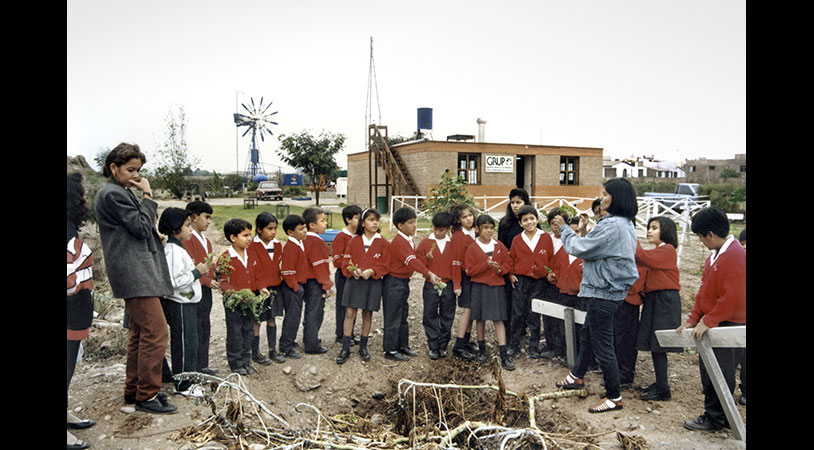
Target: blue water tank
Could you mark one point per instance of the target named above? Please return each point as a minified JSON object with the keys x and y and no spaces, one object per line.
{"x":425,"y":118}
{"x":255,"y":155}
{"x":260,"y":177}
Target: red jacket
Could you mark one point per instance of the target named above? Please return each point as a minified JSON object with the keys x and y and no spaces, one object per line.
{"x":269,"y":267}
{"x":294,"y":267}
{"x":528,"y":263}
{"x":198,"y":254}
{"x":377,"y":257}
{"x":634,"y":295}
{"x":662,"y":267}
{"x":722,"y":295}
{"x":569,"y":279}
{"x":243,"y":276}
{"x":317,"y":254}
{"x":338,"y":247}
{"x":559,"y":263}
{"x":441,"y":262}
{"x":403,"y":259}
{"x":460,"y":241}
{"x":475,"y":264}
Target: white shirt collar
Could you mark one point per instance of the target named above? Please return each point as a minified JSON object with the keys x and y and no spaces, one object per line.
{"x":311,"y":233}
{"x":295,"y":241}
{"x":269,"y":245}
{"x":243,"y":259}
{"x":470,"y":233}
{"x":367,"y":242}
{"x":345,"y":230}
{"x":532,"y":243}
{"x":714,"y":256}
{"x":409,"y":239}
{"x":556,"y":241}
{"x":487,"y":247}
{"x":441,"y":243}
{"x":200,"y":237}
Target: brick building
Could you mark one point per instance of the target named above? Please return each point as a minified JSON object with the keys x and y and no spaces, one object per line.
{"x":709,"y":170}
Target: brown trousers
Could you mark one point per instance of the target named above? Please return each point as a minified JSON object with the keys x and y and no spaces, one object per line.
{"x":146,"y":346}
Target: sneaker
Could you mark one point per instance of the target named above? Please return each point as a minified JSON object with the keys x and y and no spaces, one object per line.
{"x":194,"y":391}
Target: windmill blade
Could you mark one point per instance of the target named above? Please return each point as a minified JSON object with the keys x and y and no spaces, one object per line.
{"x":253,"y":107}
{"x":261,"y":136}
{"x":261,"y":103}
{"x":246,"y":132}
{"x":267,"y":107}
{"x":246,"y":108}
{"x":269,"y":130}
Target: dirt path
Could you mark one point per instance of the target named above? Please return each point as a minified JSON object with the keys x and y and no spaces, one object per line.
{"x":96,"y":389}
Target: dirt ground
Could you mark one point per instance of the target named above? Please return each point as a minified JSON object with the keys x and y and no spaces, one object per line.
{"x":369,"y":390}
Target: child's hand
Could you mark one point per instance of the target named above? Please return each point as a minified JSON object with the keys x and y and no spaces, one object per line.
{"x":264,"y":293}
{"x":357,"y":274}
{"x":202,"y":268}
{"x":513,"y":279}
{"x":214,"y":284}
{"x":551,"y":277}
{"x":434,"y":279}
{"x":457,"y":292}
{"x":367,"y":273}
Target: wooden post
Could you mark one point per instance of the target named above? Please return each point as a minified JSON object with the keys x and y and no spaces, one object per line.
{"x":570,"y":315}
{"x":570,"y":337}
{"x":714,"y":337}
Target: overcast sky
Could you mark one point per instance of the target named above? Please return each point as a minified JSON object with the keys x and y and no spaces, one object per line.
{"x":634,"y":77}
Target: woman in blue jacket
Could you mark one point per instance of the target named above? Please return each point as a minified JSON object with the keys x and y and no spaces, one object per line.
{"x":609,"y":271}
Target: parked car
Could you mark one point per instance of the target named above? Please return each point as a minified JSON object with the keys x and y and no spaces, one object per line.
{"x":684,"y":191}
{"x":269,"y":190}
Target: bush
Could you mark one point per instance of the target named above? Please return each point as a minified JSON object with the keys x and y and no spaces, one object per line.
{"x":452,"y":191}
{"x":293,"y":191}
{"x":725,"y":196}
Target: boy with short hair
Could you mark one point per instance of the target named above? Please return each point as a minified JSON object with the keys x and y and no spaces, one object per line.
{"x":531,"y":253}
{"x":350,"y":215}
{"x":245,"y":275}
{"x":198,"y":248}
{"x":319,"y":282}
{"x":553,"y":328}
{"x":294,"y":269}
{"x":395,"y":306}
{"x":436,"y":252}
{"x":720,"y":302}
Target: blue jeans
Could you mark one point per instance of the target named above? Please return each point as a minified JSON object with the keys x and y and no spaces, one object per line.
{"x":596,"y":341}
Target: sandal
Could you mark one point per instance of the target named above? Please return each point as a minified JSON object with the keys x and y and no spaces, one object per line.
{"x":571,"y":382}
{"x":606,"y":405}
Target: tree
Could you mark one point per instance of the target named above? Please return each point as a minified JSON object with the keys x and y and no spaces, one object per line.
{"x":451,"y":191}
{"x":175,"y":161}
{"x":101,"y":156}
{"x":314,"y":155}
{"x":728,"y":173}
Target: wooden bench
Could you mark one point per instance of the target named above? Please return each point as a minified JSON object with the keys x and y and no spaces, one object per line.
{"x":714,"y":337}
{"x":570,"y":315}
{"x":249,"y":202}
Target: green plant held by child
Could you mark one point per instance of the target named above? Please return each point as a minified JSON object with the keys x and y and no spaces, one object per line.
{"x":440,"y":288}
{"x":221,"y":265}
{"x":246,"y":302}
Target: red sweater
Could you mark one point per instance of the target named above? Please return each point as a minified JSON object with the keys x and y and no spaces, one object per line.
{"x":662,"y":267}
{"x":269,"y":267}
{"x":528,"y":263}
{"x":338,"y":247}
{"x":317,"y":254}
{"x":377,"y":257}
{"x":198,"y":254}
{"x":559,"y":264}
{"x":460,"y":241}
{"x":722,"y":295}
{"x":403,"y":260}
{"x":242,"y":277}
{"x":475,"y":264}
{"x":294,"y":267}
{"x":634,"y":295}
{"x":440,"y":263}
{"x":569,"y":279}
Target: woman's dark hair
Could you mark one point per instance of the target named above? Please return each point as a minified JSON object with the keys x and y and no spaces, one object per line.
{"x":623,"y":198}
{"x":669,"y":233}
{"x":233,"y":227}
{"x":484,"y":219}
{"x":360,"y":228}
{"x":263,"y":219}
{"x":709,"y":219}
{"x":457,"y":211}
{"x":171,"y":221}
{"x":78,"y":210}
{"x":120,"y":155}
{"x":517,"y":192}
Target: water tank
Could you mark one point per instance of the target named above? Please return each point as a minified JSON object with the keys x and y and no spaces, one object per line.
{"x":260,"y":177}
{"x":425,"y":118}
{"x":255,"y":156}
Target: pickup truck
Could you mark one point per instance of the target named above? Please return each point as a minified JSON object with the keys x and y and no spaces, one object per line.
{"x":269,"y":190}
{"x":684,"y":191}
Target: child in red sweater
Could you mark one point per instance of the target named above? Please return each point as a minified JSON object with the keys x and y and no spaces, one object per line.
{"x":531,"y":252}
{"x":295,"y":270}
{"x":436,"y":252}
{"x":464,"y":233}
{"x":268,"y":252}
{"x":319,"y":283}
{"x":720,"y":302}
{"x":245,"y":275}
{"x":661,"y":309}
{"x":486,"y":261}
{"x":350,"y":215}
{"x":367,"y":259}
{"x":553,"y":328}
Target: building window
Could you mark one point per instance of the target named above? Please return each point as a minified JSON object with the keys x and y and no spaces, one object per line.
{"x":711,"y":168}
{"x":569,"y":170}
{"x":692,"y":169}
{"x":469,"y":167}
{"x":743,"y":169}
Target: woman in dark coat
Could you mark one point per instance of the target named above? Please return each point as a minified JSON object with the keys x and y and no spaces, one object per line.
{"x":137,"y":271}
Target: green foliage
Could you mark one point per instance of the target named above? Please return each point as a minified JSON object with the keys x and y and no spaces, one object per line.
{"x":452,"y":191}
{"x":233,"y":182}
{"x":729,"y":172}
{"x":724,"y":196}
{"x":100,"y":157}
{"x":293,"y":191}
{"x":314,"y":155}
{"x":175,"y":161}
{"x":654,"y":186}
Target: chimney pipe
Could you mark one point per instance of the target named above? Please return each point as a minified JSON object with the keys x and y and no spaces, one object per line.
{"x":481,"y":129}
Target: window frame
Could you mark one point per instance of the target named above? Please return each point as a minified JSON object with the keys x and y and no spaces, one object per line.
{"x":564,"y":170}
{"x":467,"y":172}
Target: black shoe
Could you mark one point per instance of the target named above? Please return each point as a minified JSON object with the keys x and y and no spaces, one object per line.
{"x":533,"y":352}
{"x":463,"y":353}
{"x":276,"y":357}
{"x":364,"y":353}
{"x":507,"y":362}
{"x":511,"y":351}
{"x":355,"y":341}
{"x":240,"y":371}
{"x":342,"y":356}
{"x":702,"y":423}
{"x":130,"y":399}
{"x":395,"y":356}
{"x":208,"y":371}
{"x":483,"y":357}
{"x":655,"y":394}
{"x":293,"y":354}
{"x":742,"y":399}
{"x":320,"y":350}
{"x":472,"y":347}
{"x":87,"y":423}
{"x":547,"y":354}
{"x":408,"y":351}
{"x":434,"y":355}
{"x":442,"y":353}
{"x":156,"y":406}
{"x":261,"y":359}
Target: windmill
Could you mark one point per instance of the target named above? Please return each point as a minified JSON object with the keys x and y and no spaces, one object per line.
{"x":257,"y":122}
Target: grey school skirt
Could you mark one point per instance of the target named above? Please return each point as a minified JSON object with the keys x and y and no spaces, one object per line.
{"x":362,"y":294}
{"x":661,"y":310}
{"x":488,"y":302}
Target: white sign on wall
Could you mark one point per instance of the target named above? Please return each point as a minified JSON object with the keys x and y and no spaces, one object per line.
{"x":499,"y":163}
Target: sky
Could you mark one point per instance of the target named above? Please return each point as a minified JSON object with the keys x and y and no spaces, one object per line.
{"x":634,"y":77}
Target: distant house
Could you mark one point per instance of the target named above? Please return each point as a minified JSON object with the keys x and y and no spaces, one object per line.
{"x":710,"y":170}
{"x":641,"y":167}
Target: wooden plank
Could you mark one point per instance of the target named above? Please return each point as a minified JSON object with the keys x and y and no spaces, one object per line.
{"x":721,"y":388}
{"x":556,"y":310}
{"x":570,"y":337}
{"x":718,"y":337}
